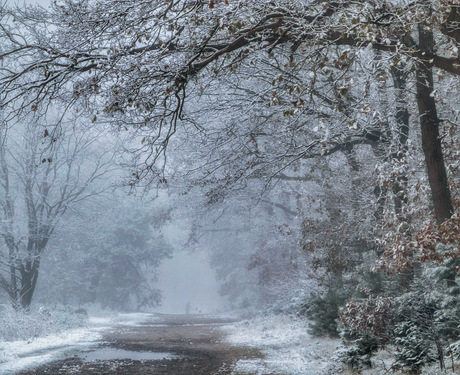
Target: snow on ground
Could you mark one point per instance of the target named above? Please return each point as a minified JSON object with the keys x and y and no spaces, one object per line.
{"x":290,"y":350}
{"x":131,"y":319}
{"x":285,"y":343}
{"x":19,"y":355}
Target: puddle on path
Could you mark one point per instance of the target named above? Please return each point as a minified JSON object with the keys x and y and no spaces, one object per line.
{"x":107,"y":354}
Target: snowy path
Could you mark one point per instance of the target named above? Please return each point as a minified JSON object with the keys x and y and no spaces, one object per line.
{"x":196,"y":345}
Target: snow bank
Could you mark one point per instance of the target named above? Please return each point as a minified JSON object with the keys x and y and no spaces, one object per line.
{"x":18,"y":355}
{"x":285,"y":343}
{"x":23,"y":354}
{"x":39,"y":322}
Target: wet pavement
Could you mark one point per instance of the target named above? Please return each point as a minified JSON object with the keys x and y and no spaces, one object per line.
{"x":166,"y":344}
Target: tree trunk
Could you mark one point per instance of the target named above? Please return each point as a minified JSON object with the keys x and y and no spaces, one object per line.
{"x":402,"y":120}
{"x":429,"y":122}
{"x":29,"y":277}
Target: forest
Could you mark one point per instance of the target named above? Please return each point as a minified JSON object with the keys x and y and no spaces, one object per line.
{"x":310,"y":146}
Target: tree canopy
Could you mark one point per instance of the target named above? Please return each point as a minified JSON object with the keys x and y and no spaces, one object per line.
{"x":139,"y":64}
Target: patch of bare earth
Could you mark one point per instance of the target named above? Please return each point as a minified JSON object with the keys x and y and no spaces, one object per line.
{"x":196,"y":343}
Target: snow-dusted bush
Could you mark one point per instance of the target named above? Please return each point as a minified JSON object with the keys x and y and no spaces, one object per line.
{"x":422,"y":322}
{"x":38,"y":322}
{"x":372,"y":316}
{"x":427,"y":320}
{"x":322,"y":310}
{"x":415,"y":348}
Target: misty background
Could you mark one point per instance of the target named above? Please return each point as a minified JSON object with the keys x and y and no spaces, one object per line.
{"x":296,"y":158}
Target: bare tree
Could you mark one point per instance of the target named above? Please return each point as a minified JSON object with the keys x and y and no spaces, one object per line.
{"x":42,"y":175}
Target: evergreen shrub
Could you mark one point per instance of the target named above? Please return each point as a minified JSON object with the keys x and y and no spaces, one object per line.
{"x":323,"y":311}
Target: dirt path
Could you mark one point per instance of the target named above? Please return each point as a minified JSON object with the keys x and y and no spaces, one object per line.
{"x":195,"y":343}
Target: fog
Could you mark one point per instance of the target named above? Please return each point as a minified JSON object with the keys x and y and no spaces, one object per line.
{"x":290,"y":158}
{"x":156,"y":248}
{"x":189,"y":279}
